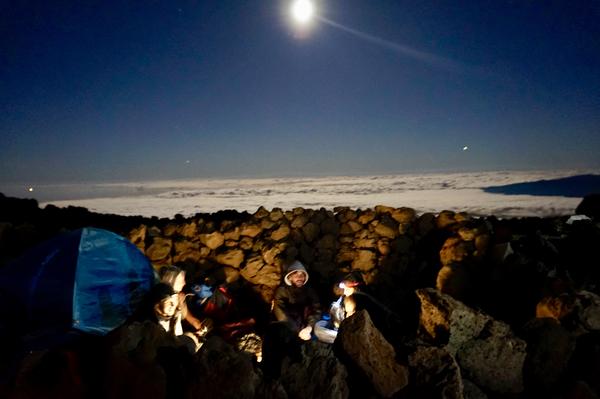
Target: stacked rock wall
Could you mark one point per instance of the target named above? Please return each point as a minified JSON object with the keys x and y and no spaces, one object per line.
{"x":381,"y":243}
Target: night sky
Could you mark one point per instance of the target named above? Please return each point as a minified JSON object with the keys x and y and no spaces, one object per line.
{"x":160,"y":89}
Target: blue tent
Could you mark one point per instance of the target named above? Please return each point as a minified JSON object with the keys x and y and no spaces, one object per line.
{"x":89,"y":279}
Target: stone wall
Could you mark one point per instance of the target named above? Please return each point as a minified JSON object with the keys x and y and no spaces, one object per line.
{"x":381,"y":243}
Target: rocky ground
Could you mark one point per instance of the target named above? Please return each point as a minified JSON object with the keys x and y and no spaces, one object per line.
{"x":489,"y":308}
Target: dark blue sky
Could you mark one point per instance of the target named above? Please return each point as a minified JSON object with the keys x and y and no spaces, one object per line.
{"x":131,"y":90}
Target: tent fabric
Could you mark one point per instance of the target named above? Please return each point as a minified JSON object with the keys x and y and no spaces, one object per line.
{"x":89,"y":279}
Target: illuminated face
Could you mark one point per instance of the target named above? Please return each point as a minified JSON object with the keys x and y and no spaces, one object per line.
{"x":297,"y":278}
{"x":168,"y":306}
{"x":347,"y":290}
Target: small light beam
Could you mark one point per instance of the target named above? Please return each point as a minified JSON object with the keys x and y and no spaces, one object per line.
{"x":303,"y":11}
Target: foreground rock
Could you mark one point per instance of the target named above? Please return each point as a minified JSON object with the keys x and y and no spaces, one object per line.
{"x":435,"y":374}
{"x":361,"y":345}
{"x":487,"y":351}
{"x":318,"y":375}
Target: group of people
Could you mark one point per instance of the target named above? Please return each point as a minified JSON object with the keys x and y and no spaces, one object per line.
{"x":297,"y":305}
{"x":296,"y":309}
{"x":175,"y":320}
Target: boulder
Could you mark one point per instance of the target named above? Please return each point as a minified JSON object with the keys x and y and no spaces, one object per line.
{"x":435,"y":374}
{"x":154,"y":231}
{"x":213,"y":240}
{"x":270,"y":254}
{"x":366,"y":217}
{"x":426,"y":223}
{"x":404,"y":215}
{"x":487,"y":350}
{"x":186,"y":251}
{"x":383,"y":246}
{"x":221,"y":372}
{"x":445,"y":219}
{"x":385,"y":230}
{"x":250,"y":230}
{"x":310,"y":231}
{"x":364,"y":260}
{"x":382,"y":209}
{"x":160,"y":250}
{"x":346,"y":214}
{"x":188,"y":230}
{"x":549,"y":349}
{"x":299,"y":221}
{"x":246,"y":243}
{"x":307,"y":254}
{"x":345,"y":254}
{"x":472,"y":391}
{"x":555,"y":307}
{"x":289,"y":215}
{"x":231,"y":274}
{"x":454,"y":280}
{"x":258,"y":273}
{"x":282,"y":232}
{"x":588,"y":311}
{"x":468,"y":234}
{"x":319,"y":374}
{"x":233,"y":234}
{"x":365,"y":243}
{"x":349,"y":228}
{"x":329,"y":226}
{"x":363,"y":347}
{"x":327,"y":242}
{"x":267,"y":224}
{"x":454,"y":250}
{"x":276,"y":214}
{"x":232,"y":257}
{"x":261,"y":212}
{"x":403,"y":245}
{"x":138,"y":237}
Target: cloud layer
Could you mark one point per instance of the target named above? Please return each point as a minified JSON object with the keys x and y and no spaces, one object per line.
{"x":424,"y":192}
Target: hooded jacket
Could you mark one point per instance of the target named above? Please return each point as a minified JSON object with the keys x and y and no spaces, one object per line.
{"x":298,"y":306}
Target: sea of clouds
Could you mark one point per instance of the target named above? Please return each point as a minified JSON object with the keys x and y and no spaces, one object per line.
{"x":425,"y":192}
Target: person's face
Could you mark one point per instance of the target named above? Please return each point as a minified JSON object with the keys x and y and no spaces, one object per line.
{"x":179,"y":282}
{"x":168,"y":306}
{"x":297,"y":279}
{"x":348,"y":290}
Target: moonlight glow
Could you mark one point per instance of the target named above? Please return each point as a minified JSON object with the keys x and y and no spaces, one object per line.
{"x":302,"y":11}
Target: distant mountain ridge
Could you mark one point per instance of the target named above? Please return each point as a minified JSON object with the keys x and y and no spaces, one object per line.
{"x":572,"y":186}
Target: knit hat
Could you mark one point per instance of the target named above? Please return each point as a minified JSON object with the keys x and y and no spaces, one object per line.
{"x":297,"y":266}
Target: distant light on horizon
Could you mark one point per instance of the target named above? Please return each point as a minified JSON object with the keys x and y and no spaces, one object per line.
{"x":30,"y":189}
{"x":465,"y":148}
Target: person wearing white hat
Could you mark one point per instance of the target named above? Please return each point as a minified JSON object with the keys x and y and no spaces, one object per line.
{"x":296,"y":303}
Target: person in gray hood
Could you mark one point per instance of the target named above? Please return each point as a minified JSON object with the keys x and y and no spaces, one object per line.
{"x":296,"y":303}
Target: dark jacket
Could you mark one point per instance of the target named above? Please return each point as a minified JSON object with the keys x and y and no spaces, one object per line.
{"x":298,"y":306}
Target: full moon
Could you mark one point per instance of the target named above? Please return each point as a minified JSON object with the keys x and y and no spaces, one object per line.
{"x":302,"y":11}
